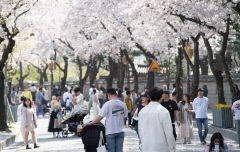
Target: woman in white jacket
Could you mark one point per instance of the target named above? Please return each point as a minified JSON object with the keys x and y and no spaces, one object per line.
{"x":95,"y":104}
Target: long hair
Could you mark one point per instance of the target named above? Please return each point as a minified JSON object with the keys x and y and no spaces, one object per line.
{"x":219,"y":136}
{"x":25,"y":105}
{"x":188,"y":99}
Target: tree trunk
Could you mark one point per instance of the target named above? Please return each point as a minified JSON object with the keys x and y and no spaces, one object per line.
{"x":150,"y":80}
{"x":121,"y":72}
{"x":179,"y":74}
{"x":3,"y":113}
{"x":41,"y":78}
{"x":95,"y":66}
{"x":135,"y":74}
{"x":65,"y":73}
{"x":196,"y":73}
{"x":204,"y":65}
{"x":110,"y":76}
{"x":82,"y":79}
{"x":20,"y":81}
{"x":9,"y":90}
{"x":45,"y":73}
{"x":216,"y":72}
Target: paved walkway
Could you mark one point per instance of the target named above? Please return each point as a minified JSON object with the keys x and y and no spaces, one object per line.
{"x":74,"y":144}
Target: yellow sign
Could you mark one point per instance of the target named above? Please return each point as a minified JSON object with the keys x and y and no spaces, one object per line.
{"x":154,"y":67}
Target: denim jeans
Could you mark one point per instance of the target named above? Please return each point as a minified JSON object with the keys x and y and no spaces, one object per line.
{"x":238,"y":130}
{"x":115,"y":142}
{"x":204,"y":122}
{"x":40,"y":110}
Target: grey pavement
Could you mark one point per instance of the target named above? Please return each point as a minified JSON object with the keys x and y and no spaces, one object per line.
{"x":74,"y":144}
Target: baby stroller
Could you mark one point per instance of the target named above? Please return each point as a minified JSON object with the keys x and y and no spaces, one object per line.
{"x":73,"y":125}
{"x":91,"y":136}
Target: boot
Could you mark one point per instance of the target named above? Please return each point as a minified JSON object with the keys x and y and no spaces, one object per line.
{"x":36,"y":146}
{"x":27,"y":147}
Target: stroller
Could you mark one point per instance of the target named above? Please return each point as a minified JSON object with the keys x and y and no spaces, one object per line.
{"x":73,"y":125}
{"x":91,"y":136}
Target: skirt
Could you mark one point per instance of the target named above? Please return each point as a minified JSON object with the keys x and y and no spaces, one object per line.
{"x":51,"y":126}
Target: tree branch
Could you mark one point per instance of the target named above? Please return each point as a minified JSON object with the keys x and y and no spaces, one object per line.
{"x":59,"y":67}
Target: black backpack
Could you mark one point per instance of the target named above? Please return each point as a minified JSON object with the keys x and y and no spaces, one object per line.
{"x":91,"y":135}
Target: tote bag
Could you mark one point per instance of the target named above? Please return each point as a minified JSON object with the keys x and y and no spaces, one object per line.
{"x":101,"y":147}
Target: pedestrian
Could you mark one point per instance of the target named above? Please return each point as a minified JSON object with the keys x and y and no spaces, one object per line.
{"x":101,"y":98}
{"x":125,"y":92}
{"x":30,"y":123}
{"x":115,"y":112}
{"x":33,"y":90}
{"x":13,"y":96}
{"x":18,"y":95}
{"x":39,"y":102}
{"x":186,"y":127}
{"x":128,"y":102}
{"x":46,"y":94}
{"x":139,"y":99}
{"x":78,"y":98}
{"x":175,"y":96}
{"x":26,"y":93}
{"x":95,"y":104}
{"x":20,"y":116}
{"x":90,"y":99}
{"x":217,"y":144}
{"x":236,"y":111}
{"x":55,"y":117}
{"x":172,"y":107}
{"x":119,"y":94}
{"x":205,"y":90}
{"x":134,"y":97}
{"x":155,"y":127}
{"x":200,"y":107}
{"x":174,"y":88}
{"x":145,"y":101}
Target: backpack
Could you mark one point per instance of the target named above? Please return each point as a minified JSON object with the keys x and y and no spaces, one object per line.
{"x":91,"y":135}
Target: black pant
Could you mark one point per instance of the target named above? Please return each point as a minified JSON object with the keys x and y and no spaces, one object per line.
{"x":174,"y":131}
{"x":129,"y":119}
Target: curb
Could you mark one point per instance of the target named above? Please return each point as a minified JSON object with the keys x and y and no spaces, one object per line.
{"x":8,"y":141}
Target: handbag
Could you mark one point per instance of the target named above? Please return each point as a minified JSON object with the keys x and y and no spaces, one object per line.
{"x":101,"y":146}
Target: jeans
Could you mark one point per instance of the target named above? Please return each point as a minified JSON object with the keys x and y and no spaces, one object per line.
{"x":40,"y":110}
{"x":238,"y":130}
{"x":101,"y":102}
{"x":204,"y":122}
{"x":115,"y":142}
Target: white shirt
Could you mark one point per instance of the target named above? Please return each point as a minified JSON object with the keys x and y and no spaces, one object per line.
{"x":19,"y":112}
{"x":155,"y":129}
{"x":200,"y":107}
{"x":236,"y":109}
{"x":115,"y":111}
{"x":80,"y":100}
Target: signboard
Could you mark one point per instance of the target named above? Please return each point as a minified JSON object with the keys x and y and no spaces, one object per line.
{"x":154,"y":67}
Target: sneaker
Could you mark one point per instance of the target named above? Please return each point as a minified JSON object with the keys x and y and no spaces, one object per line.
{"x":189,"y":141}
{"x":203,"y":143}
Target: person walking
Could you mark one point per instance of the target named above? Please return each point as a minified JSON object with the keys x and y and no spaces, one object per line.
{"x":200,"y":107}
{"x":39,"y":102}
{"x":20,"y":116}
{"x":172,"y":107}
{"x":236,"y":111}
{"x":155,"y":127}
{"x":33,"y":90}
{"x":101,"y":98}
{"x":77,"y":98}
{"x":95,"y":104}
{"x":55,"y":117}
{"x":18,"y":95}
{"x":30,"y":123}
{"x":115,"y":112}
{"x":128,"y":102}
{"x":186,"y":127}
{"x":26,"y":93}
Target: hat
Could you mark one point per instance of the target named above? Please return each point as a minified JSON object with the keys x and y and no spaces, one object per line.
{"x":200,"y":89}
{"x":144,"y":94}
